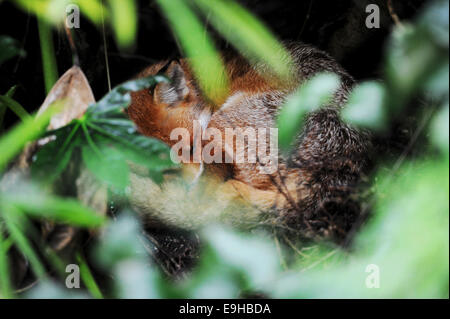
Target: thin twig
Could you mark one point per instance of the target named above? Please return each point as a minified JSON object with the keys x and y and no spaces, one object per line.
{"x":73,"y":48}
{"x":394,"y":15}
{"x":105,"y":50}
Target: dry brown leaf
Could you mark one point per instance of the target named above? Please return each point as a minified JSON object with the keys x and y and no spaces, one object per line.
{"x":74,"y":88}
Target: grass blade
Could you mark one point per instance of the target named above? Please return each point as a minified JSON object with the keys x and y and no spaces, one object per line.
{"x":205,"y":61}
{"x":15,"y":107}
{"x":58,"y":209}
{"x":49,"y":65}
{"x":31,"y":128}
{"x":3,"y":106}
{"x":11,"y":217}
{"x":5,"y":283}
{"x":247,"y":34}
{"x":88,"y":279}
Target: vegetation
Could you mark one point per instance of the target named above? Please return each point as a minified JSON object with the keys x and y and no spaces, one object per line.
{"x":406,"y":235}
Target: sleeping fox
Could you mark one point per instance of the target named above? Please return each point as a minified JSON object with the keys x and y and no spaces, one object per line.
{"x":323,"y":169}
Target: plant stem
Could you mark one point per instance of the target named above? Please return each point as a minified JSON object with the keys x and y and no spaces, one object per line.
{"x":49,"y":65}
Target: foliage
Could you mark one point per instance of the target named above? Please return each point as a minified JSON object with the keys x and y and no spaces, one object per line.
{"x":105,"y":133}
{"x":406,"y":238}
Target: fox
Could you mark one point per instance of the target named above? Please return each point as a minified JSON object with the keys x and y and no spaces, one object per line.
{"x":324,"y":167}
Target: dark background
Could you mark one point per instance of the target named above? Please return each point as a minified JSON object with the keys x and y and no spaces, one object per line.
{"x":337,"y":27}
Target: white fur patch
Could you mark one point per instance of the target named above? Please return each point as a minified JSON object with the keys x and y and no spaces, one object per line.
{"x":204,"y":118}
{"x":232,"y":99}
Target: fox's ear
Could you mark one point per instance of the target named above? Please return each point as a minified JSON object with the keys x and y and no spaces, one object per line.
{"x":174,"y":92}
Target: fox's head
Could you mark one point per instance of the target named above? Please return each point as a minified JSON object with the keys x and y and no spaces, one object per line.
{"x":168,"y":105}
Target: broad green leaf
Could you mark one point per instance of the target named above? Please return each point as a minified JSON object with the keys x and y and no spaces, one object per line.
{"x":435,"y":20}
{"x":311,"y":95}
{"x":111,"y":168}
{"x":365,"y":106}
{"x":51,"y":11}
{"x":144,"y":150}
{"x":94,"y":10}
{"x":104,"y":127}
{"x":121,"y":241}
{"x":119,"y":98}
{"x":411,"y":59}
{"x":212,"y":278}
{"x":254,"y":256}
{"x":52,"y":158}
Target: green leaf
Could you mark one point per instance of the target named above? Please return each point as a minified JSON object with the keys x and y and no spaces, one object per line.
{"x":365,"y":106}
{"x":5,"y":281}
{"x":206,"y":63}
{"x":309,"y":97}
{"x":140,"y":149}
{"x":109,"y":168}
{"x":3,"y":106}
{"x":31,"y":128}
{"x":113,"y":103}
{"x":247,"y":34}
{"x":124,"y":21}
{"x":52,"y":158}
{"x":49,"y":65}
{"x":9,"y":48}
{"x":15,"y":223}
{"x":411,"y":60}
{"x":14,"y":106}
{"x":440,"y":130}
{"x":54,"y":11}
{"x":34,"y":203}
